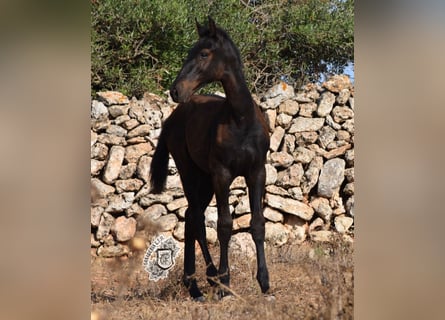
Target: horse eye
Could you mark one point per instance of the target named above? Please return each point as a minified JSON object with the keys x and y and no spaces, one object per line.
{"x":203,"y":55}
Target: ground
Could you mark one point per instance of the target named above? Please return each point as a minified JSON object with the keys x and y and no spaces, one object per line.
{"x":308,"y":281}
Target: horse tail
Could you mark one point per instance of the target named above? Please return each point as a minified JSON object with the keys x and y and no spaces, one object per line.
{"x":159,"y":166}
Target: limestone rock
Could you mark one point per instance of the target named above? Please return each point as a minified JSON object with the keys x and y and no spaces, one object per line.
{"x":303,"y":139}
{"x":343,"y":96}
{"x":176,"y":204}
{"x":127,"y":171}
{"x":130,"y":124}
{"x":298,"y":228}
{"x":179,"y":232}
{"x":143,"y":168}
{"x":167,"y":222}
{"x":349,"y":206}
{"x":142,"y":130}
{"x":134,"y":210}
{"x":242,"y":222}
{"x":116,"y":130}
{"x":276,"y":233}
{"x":273,"y":189}
{"x":114,"y":164}
{"x":211,"y":235}
{"x":271,"y":174}
{"x":303,"y":155}
{"x":99,"y":151}
{"x":113,"y":97}
{"x":98,"y":110}
{"x":343,"y":223}
{"x":349,"y":157}
{"x":307,"y":109}
{"x":302,"y":124}
{"x":96,"y":214}
{"x":348,"y":125}
{"x":330,"y":122}
{"x":310,"y":177}
{"x":238,"y":183}
{"x":211,"y":217}
{"x":102,"y":189}
{"x":284,"y":120}
{"x":337,"y":83}
{"x":331,"y":177}
{"x":288,"y":144}
{"x":289,"y":107}
{"x":149,"y":199}
{"x":128,"y":185}
{"x":340,"y":114}
{"x":276,"y":138}
{"x":273,"y":215}
{"x":290,"y":206}
{"x":349,"y":189}
{"x":134,"y":152}
{"x":349,"y":174}
{"x":271,"y":116}
{"x":322,"y":208}
{"x":281,"y":159}
{"x":119,"y":111}
{"x":124,"y":228}
{"x":277,"y":94}
{"x":327,"y":135}
{"x":155,"y":211}
{"x":242,"y":243}
{"x":111,"y":139}
{"x":93,"y":138}
{"x":326,"y":104}
{"x":337,"y":151}
{"x":119,"y":202}
{"x":106,"y":221}
{"x":290,"y":177}
{"x":351,"y":102}
{"x":243,"y":205}
{"x":296,"y":193}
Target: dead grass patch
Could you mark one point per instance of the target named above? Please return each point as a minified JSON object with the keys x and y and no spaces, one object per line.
{"x":308,"y":281}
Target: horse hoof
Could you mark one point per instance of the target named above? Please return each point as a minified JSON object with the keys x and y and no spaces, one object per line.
{"x":199,"y":299}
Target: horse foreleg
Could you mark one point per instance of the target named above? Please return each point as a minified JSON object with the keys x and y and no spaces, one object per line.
{"x":221,"y":184}
{"x":211,"y":271}
{"x":255,"y":183}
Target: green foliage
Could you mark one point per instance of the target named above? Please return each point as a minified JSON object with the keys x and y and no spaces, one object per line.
{"x":139,"y":45}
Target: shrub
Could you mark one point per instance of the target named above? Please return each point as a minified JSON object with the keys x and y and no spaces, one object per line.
{"x":139,"y":45}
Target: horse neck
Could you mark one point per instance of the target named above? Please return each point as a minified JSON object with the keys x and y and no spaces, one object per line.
{"x":238,"y":95}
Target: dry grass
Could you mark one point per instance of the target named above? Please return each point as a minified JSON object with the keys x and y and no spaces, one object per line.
{"x":308,"y":281}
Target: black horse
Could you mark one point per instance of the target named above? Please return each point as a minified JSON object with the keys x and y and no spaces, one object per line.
{"x":213,"y":140}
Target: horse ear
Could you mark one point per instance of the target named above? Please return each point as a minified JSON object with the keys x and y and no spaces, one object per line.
{"x":212,"y":27}
{"x":199,"y":28}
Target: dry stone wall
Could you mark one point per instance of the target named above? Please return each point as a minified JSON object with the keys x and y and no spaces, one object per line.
{"x":310,"y":170}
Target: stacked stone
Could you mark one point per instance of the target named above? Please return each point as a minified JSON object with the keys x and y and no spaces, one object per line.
{"x":311,"y":160}
{"x":310,"y":169}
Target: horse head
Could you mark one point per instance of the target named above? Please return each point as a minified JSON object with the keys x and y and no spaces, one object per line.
{"x":209,"y":60}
